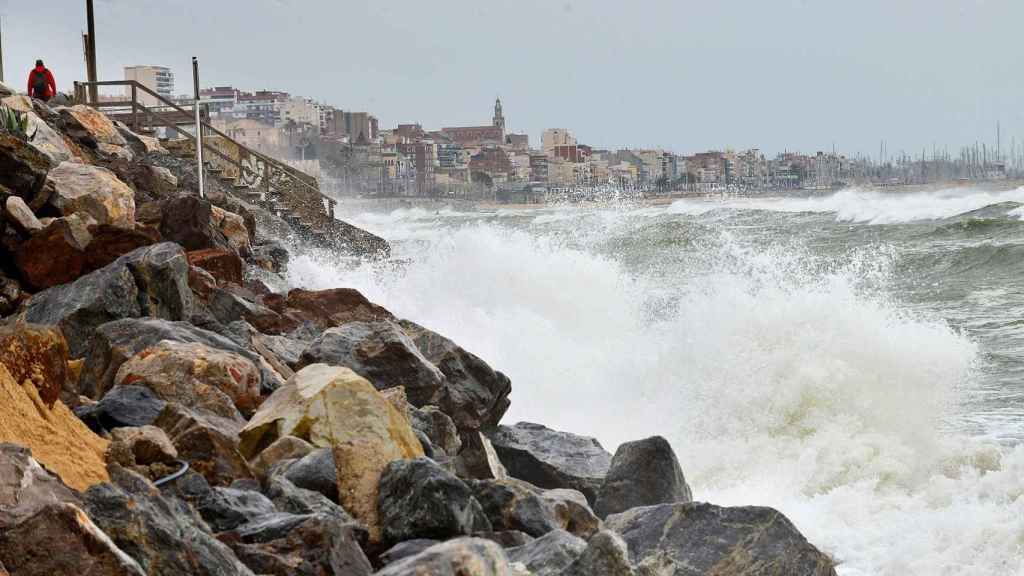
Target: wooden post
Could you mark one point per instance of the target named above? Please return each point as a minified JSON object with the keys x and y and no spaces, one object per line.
{"x":90,"y":52}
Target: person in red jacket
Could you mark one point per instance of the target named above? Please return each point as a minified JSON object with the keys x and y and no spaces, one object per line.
{"x":40,"y":83}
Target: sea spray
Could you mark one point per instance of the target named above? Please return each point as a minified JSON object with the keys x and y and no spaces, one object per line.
{"x":786,"y":371}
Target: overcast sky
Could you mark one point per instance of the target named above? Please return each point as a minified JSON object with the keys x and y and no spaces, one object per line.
{"x":687,"y":75}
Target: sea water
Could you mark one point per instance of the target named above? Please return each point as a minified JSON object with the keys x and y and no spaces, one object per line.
{"x":855,"y":360}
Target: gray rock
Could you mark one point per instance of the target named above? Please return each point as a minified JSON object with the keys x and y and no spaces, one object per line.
{"x":163,"y":534}
{"x":643,"y":473}
{"x":573,"y":512}
{"x":506,"y":538}
{"x":300,"y":545}
{"x":511,"y":506}
{"x":606,"y":554}
{"x":113,"y":343}
{"x":437,"y":427}
{"x":458,"y":557}
{"x":691,"y":539}
{"x":26,"y":487}
{"x":149,"y":281}
{"x":419,"y":499}
{"x":478,"y":459}
{"x":405,"y":549}
{"x":380,"y":352}
{"x":228,"y":508}
{"x":552,"y":459}
{"x":122,"y":406}
{"x":474,"y":395}
{"x":289,"y":350}
{"x":550,"y":554}
{"x":21,"y":216}
{"x":288,"y":497}
{"x":315,"y":471}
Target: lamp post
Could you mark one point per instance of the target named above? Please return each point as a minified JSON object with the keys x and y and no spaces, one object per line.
{"x":199,"y":128}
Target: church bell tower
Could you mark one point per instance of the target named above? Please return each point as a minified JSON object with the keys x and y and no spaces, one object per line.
{"x":499,"y":119}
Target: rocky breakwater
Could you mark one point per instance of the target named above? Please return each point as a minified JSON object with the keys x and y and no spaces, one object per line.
{"x":165,"y":412}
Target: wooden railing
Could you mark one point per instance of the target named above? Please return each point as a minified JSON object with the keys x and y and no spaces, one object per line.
{"x":297,"y":191}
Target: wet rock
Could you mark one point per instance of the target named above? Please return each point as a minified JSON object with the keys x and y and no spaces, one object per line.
{"x":478,"y":459}
{"x":188,"y":220}
{"x":115,"y":342}
{"x":88,"y":125}
{"x":292,"y":545}
{"x":228,"y":508}
{"x":334,"y":407}
{"x":20,"y":215}
{"x":511,"y":506}
{"x":284,"y":448}
{"x":150,"y":281}
{"x":438,"y":428}
{"x":92,"y":190}
{"x":36,"y":354}
{"x":61,"y":539}
{"x":288,"y":497}
{"x":381,"y":353}
{"x":123,"y":406}
{"x":315,"y":471}
{"x":458,"y":557}
{"x":58,"y":440}
{"x":419,"y":499}
{"x":140,"y":446}
{"x":163,"y":534}
{"x":697,"y":538}
{"x":552,"y":459}
{"x":23,"y":168}
{"x":550,"y":554}
{"x":223,"y":265}
{"x":207,"y":442}
{"x":233,"y":227}
{"x":335,"y":307}
{"x":405,"y":549}
{"x":642,"y":473}
{"x":606,"y":554}
{"x":26,"y":487}
{"x":506,"y":538}
{"x":474,"y":394}
{"x":271,"y":256}
{"x":573,"y":512}
{"x":196,"y":376}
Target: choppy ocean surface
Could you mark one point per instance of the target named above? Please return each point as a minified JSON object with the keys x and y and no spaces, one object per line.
{"x":855,"y":360}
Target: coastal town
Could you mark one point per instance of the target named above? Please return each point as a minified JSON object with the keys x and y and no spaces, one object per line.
{"x":352,"y":154}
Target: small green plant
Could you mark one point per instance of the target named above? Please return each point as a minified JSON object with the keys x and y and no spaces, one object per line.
{"x":14,"y":122}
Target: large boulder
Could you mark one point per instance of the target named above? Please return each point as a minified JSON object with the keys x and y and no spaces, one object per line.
{"x":163,"y":534}
{"x":643,"y":473}
{"x":123,"y":406}
{"x":380,"y":352}
{"x":511,"y":505}
{"x":195,"y":375}
{"x":84,"y":123}
{"x":224,"y":265}
{"x":23,"y":168}
{"x":26,"y":487}
{"x":315,"y":471}
{"x":233,"y":227}
{"x":300,"y":545}
{"x":573,"y":512}
{"x":438,"y":427}
{"x":334,"y":407}
{"x":36,"y":354}
{"x":208,"y":443}
{"x":478,"y":459}
{"x":61,"y":539}
{"x":284,"y":448}
{"x":550,"y":554}
{"x":92,"y":190}
{"x":149,"y":281}
{"x":140,"y":446}
{"x":474,"y":395}
{"x":288,"y":497}
{"x":419,"y":499}
{"x":458,"y":557}
{"x":334,"y":307}
{"x":188,"y":220}
{"x":696,"y":539}
{"x":552,"y":459}
{"x":41,"y":136}
{"x":58,"y":439}
{"x":115,"y":342}
{"x":228,"y":508}
{"x":606,"y":554}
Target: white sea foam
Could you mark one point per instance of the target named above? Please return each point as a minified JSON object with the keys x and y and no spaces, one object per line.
{"x":777,"y":384}
{"x":869,"y":207}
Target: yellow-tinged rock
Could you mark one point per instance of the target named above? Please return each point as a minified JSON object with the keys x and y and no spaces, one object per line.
{"x":57,"y":438}
{"x":334,"y":407}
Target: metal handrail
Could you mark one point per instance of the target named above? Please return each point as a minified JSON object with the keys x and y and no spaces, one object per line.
{"x":300,"y":176}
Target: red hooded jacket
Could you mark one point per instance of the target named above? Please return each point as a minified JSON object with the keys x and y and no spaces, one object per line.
{"x":51,"y":85}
